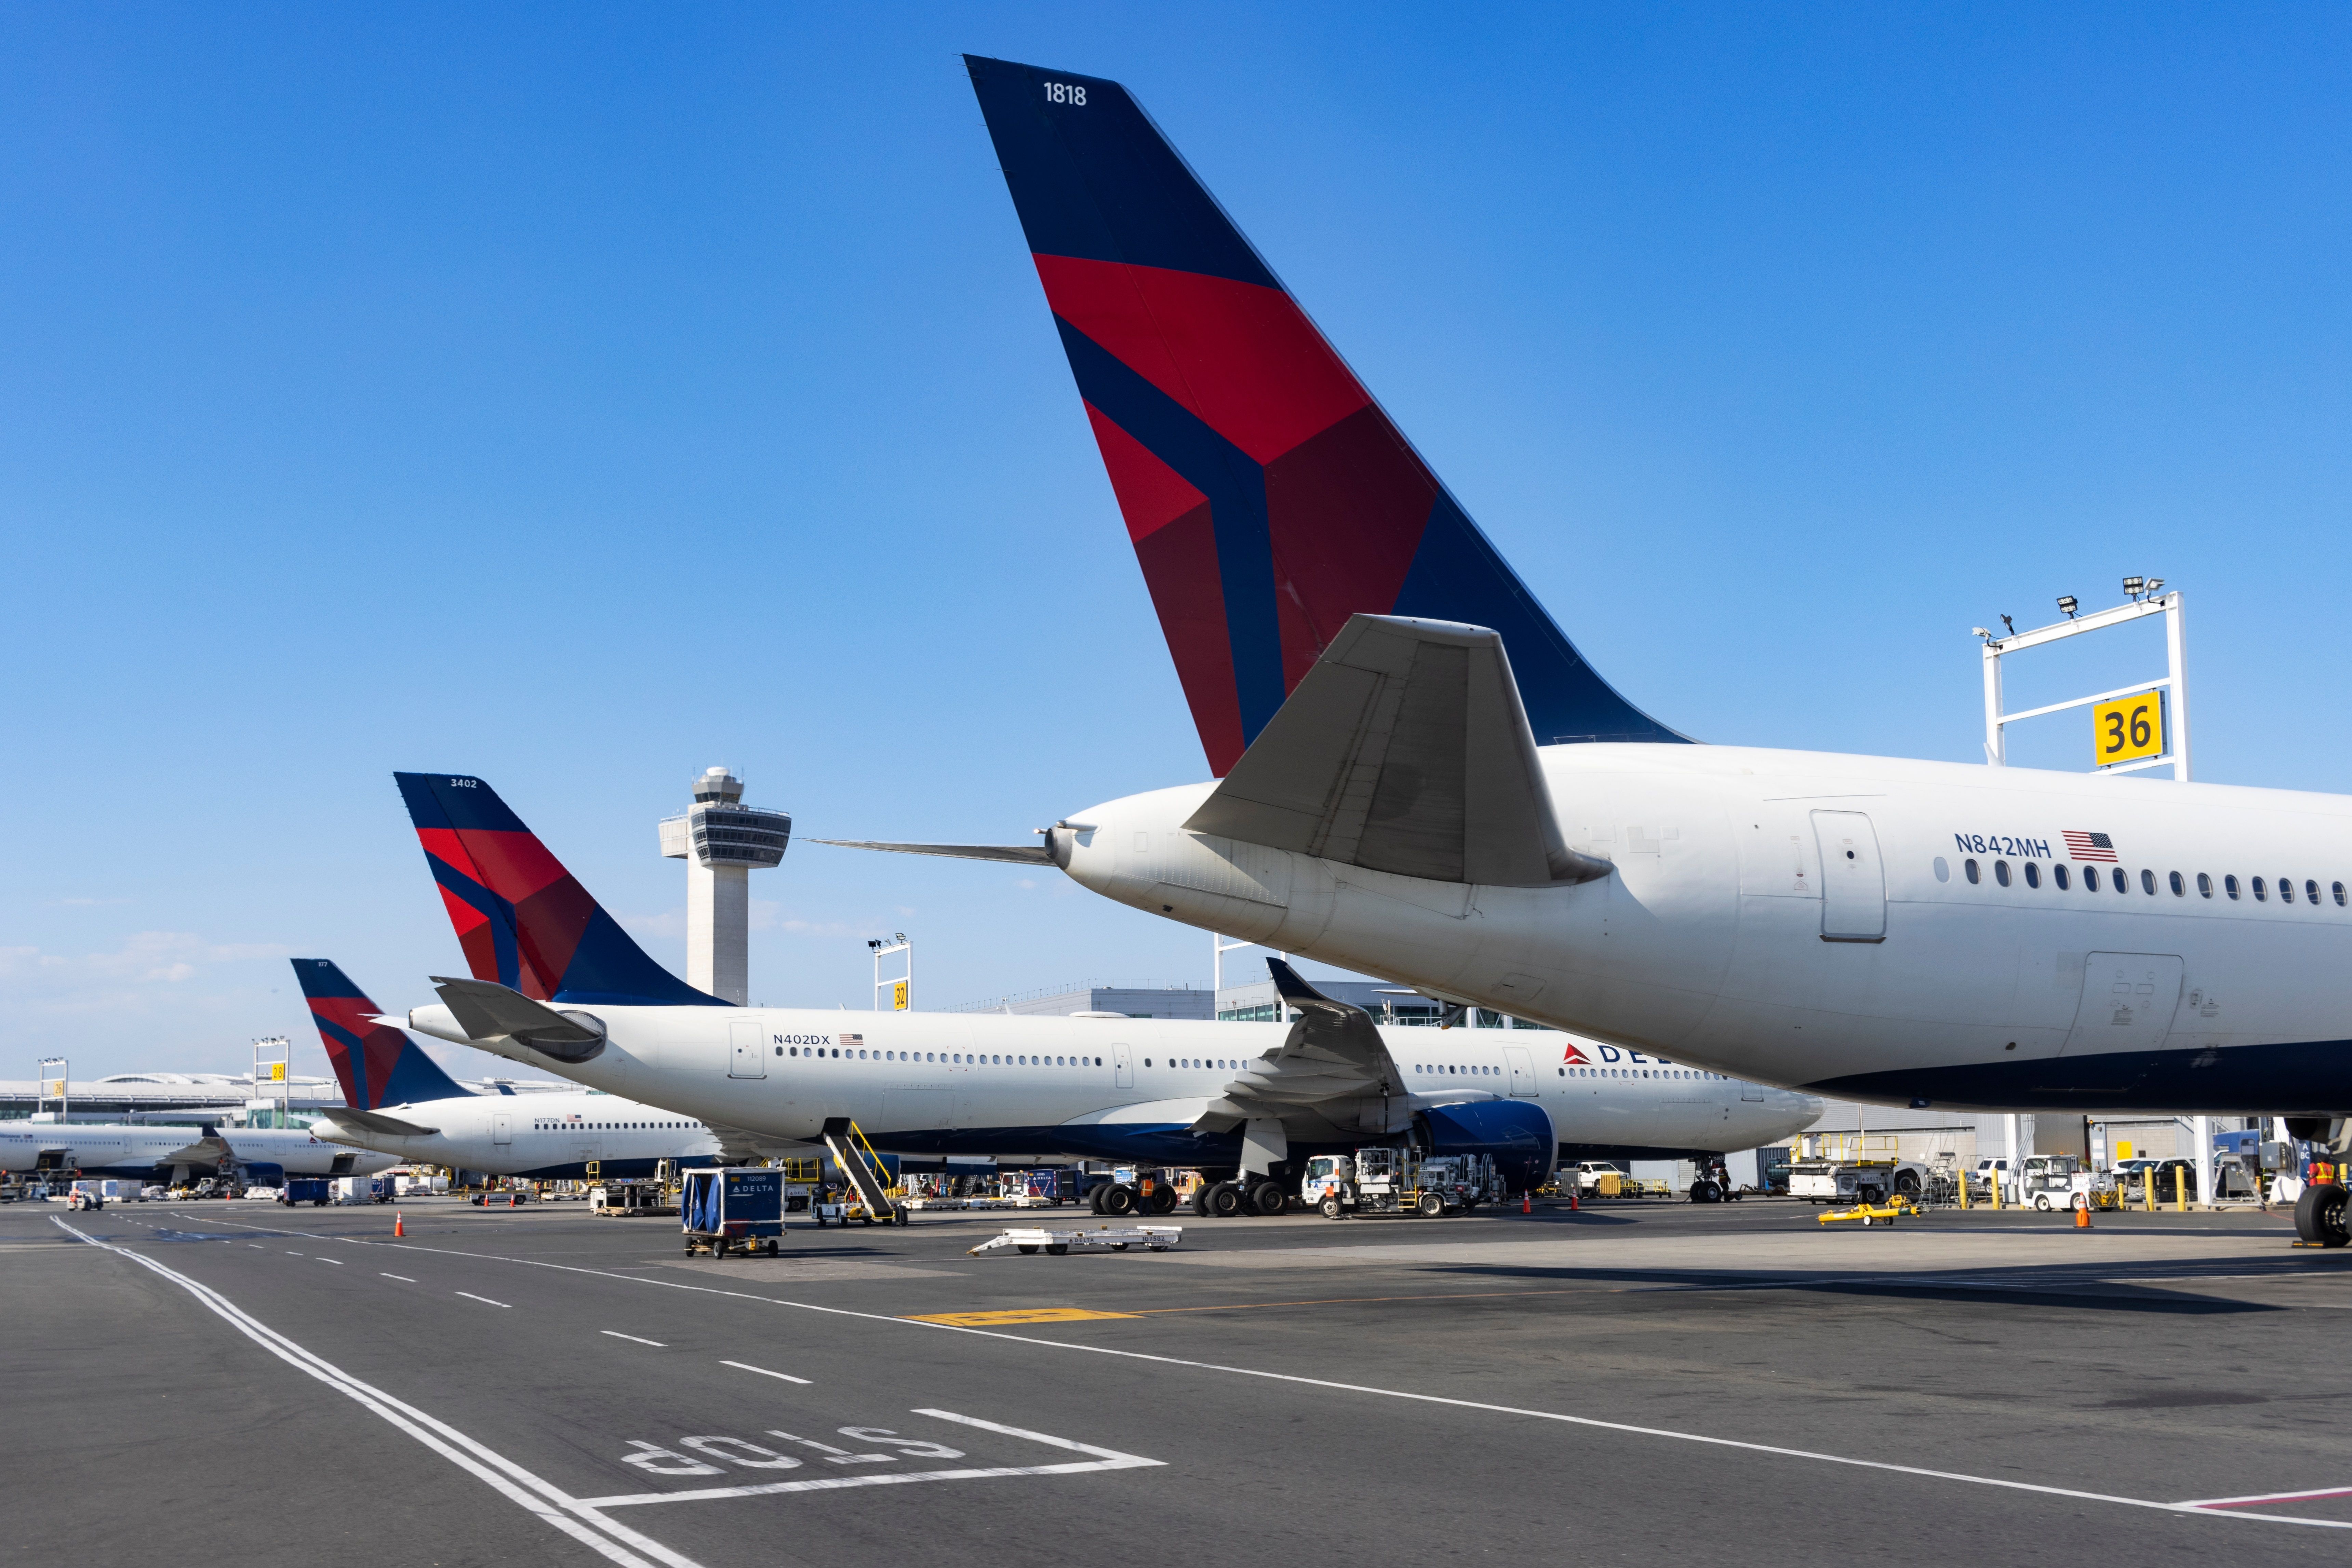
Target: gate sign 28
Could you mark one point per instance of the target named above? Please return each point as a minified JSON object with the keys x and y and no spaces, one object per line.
{"x":2129,"y":727}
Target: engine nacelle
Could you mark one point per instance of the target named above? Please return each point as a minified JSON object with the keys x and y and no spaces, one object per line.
{"x":1517,"y":1132}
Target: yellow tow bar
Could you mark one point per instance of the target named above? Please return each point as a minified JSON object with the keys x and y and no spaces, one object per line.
{"x":1872,"y":1215}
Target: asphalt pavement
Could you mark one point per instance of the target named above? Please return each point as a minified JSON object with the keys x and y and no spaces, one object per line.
{"x":1632,"y":1383}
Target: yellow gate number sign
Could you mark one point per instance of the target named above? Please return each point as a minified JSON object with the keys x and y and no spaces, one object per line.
{"x":2129,"y":728}
{"x":898,"y":996}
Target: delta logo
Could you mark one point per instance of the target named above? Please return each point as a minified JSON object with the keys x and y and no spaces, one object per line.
{"x":1574,"y":1056}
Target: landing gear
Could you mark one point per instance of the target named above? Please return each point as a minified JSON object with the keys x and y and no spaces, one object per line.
{"x":1160,"y":1199}
{"x":1703,"y":1190}
{"x":1268,"y":1199}
{"x":1225,"y":1200}
{"x":2319,"y":1214}
{"x":1117,"y":1201}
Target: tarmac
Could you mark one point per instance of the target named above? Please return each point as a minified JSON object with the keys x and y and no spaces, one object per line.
{"x":1639,"y":1382}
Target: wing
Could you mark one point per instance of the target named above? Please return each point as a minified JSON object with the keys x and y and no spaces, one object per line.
{"x":1019,"y":853}
{"x":1333,"y":1065}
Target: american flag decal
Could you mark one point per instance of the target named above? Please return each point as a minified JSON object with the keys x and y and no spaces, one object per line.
{"x":2088,"y":845}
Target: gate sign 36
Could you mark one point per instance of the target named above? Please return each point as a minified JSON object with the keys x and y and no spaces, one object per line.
{"x":2129,"y":727}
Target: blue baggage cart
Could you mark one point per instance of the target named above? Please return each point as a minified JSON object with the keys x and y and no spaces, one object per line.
{"x":733,"y":1209}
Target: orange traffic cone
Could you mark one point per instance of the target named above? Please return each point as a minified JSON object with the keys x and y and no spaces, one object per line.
{"x":2083,"y":1217}
{"x":398,"y":1228}
{"x":1526,"y":1203}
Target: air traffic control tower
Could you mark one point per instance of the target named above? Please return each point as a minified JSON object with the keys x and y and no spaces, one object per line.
{"x":722,"y":842}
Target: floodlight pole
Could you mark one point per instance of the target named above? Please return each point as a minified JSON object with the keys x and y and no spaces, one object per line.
{"x":61,"y":1071}
{"x":2174,"y":608}
{"x":883,"y":948}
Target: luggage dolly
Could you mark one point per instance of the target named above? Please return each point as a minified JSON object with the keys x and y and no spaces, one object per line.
{"x":1870,"y":1213}
{"x":1154,"y":1237}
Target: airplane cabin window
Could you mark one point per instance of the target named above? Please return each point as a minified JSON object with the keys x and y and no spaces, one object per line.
{"x":2032,"y":875}
{"x":1943,"y":869}
{"x":2204,"y":885}
{"x":2340,"y":894}
{"x":1969,"y":870}
{"x":2147,"y":881}
{"x":2230,"y":886}
{"x":2001,"y":872}
{"x":2260,"y":893}
{"x":2058,"y":875}
{"x":2179,"y":886}
{"x":2311,"y":892}
{"x":2122,"y":885}
{"x":2286,"y":890}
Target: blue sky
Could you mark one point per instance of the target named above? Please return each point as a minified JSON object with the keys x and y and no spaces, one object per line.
{"x":579,"y":395}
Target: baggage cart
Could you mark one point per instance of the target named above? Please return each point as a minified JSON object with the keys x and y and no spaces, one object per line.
{"x":733,"y":1209}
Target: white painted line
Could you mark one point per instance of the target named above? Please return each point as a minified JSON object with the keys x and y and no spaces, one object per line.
{"x":616,"y":1333}
{"x":256,"y":1247}
{"x":1103,"y":1459}
{"x":2267,"y":1497}
{"x":404,"y":1279}
{"x":471,"y":1297}
{"x":1586,"y":1421}
{"x":763,"y":1372}
{"x":518,"y":1485}
{"x":336,"y":1261}
{"x":291,"y":1253}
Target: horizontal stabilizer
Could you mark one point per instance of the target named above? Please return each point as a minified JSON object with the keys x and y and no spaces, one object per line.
{"x":377,"y":1122}
{"x":1404,"y":750}
{"x":1019,"y":853}
{"x":1332,"y":1065}
{"x":485,"y":1010}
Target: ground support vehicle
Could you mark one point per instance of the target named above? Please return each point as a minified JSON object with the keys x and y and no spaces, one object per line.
{"x":85,"y":1196}
{"x":733,"y":1208}
{"x":1380,"y":1179}
{"x":315,"y":1190}
{"x":631,"y":1200}
{"x":1873,"y":1214}
{"x":1152,"y":1238}
{"x":2061,"y":1182}
{"x":1855,"y":1181}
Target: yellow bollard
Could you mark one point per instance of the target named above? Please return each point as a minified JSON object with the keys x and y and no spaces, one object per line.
{"x":2148,"y":1189}
{"x":1996,"y":1188}
{"x":2180,"y":1189}
{"x":1963,"y":1189}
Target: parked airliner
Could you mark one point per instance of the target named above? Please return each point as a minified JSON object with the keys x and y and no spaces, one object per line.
{"x":1418,"y":776}
{"x":398,"y":1101}
{"x":174,"y":1155}
{"x":559,"y":986}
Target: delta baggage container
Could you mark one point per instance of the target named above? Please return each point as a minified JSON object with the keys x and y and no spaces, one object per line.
{"x":319,"y":1191}
{"x":733,"y":1209}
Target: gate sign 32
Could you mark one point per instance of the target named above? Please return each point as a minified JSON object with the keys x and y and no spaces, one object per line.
{"x":2129,"y":728}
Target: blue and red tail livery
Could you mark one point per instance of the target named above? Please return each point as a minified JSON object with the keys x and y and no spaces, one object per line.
{"x":376,"y":1064}
{"x":1267,"y":495}
{"x":523,"y":919}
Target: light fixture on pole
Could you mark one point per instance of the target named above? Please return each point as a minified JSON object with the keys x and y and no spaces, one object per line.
{"x":2066,"y":604}
{"x":902,"y":986}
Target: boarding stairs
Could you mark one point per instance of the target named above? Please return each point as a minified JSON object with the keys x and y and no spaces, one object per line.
{"x":856,"y":1157}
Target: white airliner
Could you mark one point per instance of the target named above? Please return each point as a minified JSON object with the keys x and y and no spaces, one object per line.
{"x":1420,"y":778}
{"x":172,"y":1155}
{"x":399,"y":1102}
{"x":1242,"y":1101}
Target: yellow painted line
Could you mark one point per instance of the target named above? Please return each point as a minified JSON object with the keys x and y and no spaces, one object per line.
{"x":1016,"y":1315}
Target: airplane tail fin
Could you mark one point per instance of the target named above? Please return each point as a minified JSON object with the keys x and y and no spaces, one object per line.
{"x":1267,"y":495}
{"x":376,"y":1064}
{"x":524,"y":920}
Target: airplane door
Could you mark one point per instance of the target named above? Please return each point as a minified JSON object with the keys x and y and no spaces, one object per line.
{"x":2128,"y":1000}
{"x":501,"y":1128}
{"x":746,"y":1059}
{"x":1123,"y":1070}
{"x":1853,"y":884}
{"x":1523,"y":1070}
{"x":1751,"y":1091}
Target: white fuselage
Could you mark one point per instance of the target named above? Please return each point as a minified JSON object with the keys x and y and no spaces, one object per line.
{"x":985,"y":1083}
{"x":116,"y":1149}
{"x":548,"y":1136}
{"x":1809,"y":919}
